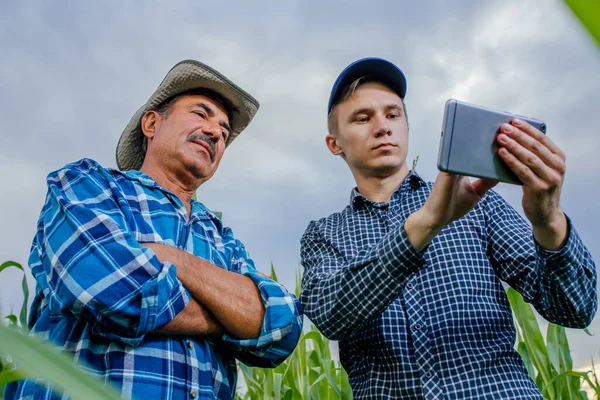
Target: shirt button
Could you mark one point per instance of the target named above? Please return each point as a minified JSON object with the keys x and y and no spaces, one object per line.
{"x":193,"y":394}
{"x":410,"y":285}
{"x":190,"y":345}
{"x":428,"y":375}
{"x":418,"y":327}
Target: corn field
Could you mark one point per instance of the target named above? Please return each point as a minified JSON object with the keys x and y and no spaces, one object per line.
{"x":309,"y":373}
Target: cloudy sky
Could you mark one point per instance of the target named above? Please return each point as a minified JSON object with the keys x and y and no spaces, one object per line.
{"x":72,"y":76}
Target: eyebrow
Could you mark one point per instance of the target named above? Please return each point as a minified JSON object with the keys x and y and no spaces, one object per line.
{"x":368,"y":110}
{"x":211,"y":113}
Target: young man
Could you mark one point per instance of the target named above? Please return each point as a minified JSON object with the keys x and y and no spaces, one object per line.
{"x":143,"y":284}
{"x":408,"y":276}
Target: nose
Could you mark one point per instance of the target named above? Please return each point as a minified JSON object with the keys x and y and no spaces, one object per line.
{"x":381,"y":127}
{"x":213,"y":130}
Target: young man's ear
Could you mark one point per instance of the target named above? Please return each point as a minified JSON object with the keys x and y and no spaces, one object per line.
{"x":149,"y":124}
{"x":333,"y":146}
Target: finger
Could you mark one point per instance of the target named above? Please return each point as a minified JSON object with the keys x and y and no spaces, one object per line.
{"x":523,"y":172}
{"x":445,"y":181}
{"x":535,"y":133}
{"x":482,"y":186}
{"x":532,"y":144}
{"x":545,"y":172}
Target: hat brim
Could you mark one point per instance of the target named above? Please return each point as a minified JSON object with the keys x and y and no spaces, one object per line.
{"x":184,"y":76}
{"x":385,"y":70}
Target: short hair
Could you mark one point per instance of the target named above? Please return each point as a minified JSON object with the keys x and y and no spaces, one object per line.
{"x":165,"y":107}
{"x":349,"y":91}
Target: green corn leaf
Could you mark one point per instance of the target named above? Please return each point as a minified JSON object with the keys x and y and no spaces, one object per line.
{"x":12,"y":319}
{"x":37,"y":359}
{"x":298,"y":283}
{"x":533,"y":339}
{"x":522,"y":349}
{"x":578,"y":375}
{"x":273,"y":274}
{"x":553,"y":345}
{"x":328,"y":368}
{"x":588,"y":12}
{"x":277,"y":380}
{"x":9,"y":376}
{"x":24,"y":288}
{"x":560,"y":354}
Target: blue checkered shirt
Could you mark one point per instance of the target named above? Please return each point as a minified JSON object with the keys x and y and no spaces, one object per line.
{"x":436,"y":324}
{"x":100,"y":296}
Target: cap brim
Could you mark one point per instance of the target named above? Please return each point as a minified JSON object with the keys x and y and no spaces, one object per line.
{"x":184,"y":76}
{"x":385,"y":70}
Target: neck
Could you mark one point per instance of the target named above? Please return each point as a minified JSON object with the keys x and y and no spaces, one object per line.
{"x":181,"y":184}
{"x":380,"y":188}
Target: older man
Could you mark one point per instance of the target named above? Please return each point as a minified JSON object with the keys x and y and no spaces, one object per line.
{"x":140,"y":282}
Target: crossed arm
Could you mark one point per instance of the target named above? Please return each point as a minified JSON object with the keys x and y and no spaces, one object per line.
{"x":223,"y":301}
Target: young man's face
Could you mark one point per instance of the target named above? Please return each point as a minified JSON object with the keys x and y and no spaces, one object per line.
{"x":191,"y":137}
{"x":371,"y":131}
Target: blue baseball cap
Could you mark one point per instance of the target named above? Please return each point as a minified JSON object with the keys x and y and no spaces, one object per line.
{"x":385,"y":70}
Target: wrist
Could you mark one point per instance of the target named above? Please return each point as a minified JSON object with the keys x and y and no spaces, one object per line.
{"x":552,"y":234}
{"x":421,"y":228}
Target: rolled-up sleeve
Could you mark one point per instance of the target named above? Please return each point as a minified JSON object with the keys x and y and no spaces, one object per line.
{"x":90,"y":264}
{"x":282,"y":321}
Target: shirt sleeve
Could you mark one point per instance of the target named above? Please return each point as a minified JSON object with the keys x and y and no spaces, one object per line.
{"x":282,"y":323}
{"x":90,"y":265}
{"x":561,"y":285}
{"x":340,"y":295}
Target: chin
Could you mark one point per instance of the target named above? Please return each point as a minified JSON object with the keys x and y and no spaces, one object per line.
{"x":386,"y":168}
{"x":198,"y":168}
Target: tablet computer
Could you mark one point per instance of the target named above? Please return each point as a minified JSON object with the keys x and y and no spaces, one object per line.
{"x":468,"y":144}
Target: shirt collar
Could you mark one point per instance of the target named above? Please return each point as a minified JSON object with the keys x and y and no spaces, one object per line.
{"x":198,"y":209}
{"x":412,"y":181}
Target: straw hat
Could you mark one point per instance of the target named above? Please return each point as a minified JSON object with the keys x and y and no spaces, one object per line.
{"x":185,"y":75}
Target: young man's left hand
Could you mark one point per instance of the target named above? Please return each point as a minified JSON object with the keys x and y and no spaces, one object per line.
{"x":541,"y":166}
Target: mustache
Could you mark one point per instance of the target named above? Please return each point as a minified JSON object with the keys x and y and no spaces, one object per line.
{"x":196,"y":136}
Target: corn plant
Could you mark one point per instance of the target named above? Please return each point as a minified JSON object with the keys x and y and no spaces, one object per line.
{"x":8,"y":372}
{"x":548,"y":362}
{"x":310,"y":372}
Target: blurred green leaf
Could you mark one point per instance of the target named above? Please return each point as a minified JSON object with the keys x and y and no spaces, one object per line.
{"x":588,"y":12}
{"x":12,"y":319}
{"x":10,"y":375}
{"x":37,"y":359}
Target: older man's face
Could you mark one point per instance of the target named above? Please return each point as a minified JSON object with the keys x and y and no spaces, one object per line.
{"x":191,"y":137}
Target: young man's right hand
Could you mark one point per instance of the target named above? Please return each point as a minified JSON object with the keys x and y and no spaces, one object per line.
{"x":451,"y":197}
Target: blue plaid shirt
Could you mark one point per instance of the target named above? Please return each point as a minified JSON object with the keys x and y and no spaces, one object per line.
{"x":436,"y":324}
{"x":101,"y":296}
